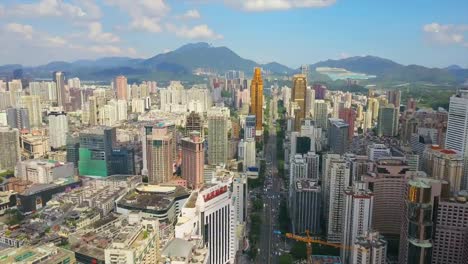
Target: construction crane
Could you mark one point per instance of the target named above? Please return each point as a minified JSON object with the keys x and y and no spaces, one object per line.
{"x":309,"y":241}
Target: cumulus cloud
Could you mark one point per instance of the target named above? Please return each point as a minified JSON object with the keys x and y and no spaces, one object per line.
{"x":191,"y":14}
{"x":146,"y":24}
{"x":21,"y":29}
{"x":96,"y":34}
{"x":84,"y":9}
{"x":446,"y":34}
{"x":271,"y":5}
{"x":195,"y":32}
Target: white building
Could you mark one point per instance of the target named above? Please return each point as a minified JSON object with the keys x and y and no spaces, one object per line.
{"x":370,"y":248}
{"x":377,"y":151}
{"x":58,"y":127}
{"x":46,"y":90}
{"x":210,"y":214}
{"x":74,"y":83}
{"x":457,"y":128}
{"x":248,"y":154}
{"x":358,"y":216}
{"x":337,"y":177}
{"x":43,"y":171}
{"x":177,"y":99}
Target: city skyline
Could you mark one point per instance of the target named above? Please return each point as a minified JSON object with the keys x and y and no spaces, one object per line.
{"x":411,"y":33}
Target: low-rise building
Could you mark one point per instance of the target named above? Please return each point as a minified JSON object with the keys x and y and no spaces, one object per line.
{"x":43,"y":254}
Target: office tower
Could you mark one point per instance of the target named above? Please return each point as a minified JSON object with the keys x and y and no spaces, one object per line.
{"x":359,"y":166}
{"x":18,"y":118}
{"x":33,"y":104}
{"x":450,"y":243}
{"x":10,"y":153}
{"x":457,"y":129}
{"x":218,"y":135}
{"x":371,"y":248}
{"x":321,"y":114}
{"x":249,"y":153}
{"x":297,"y":170}
{"x":249,"y":129}
{"x":320,"y":91}
{"x":444,"y":164}
{"x":158,"y":153}
{"x":310,"y":102}
{"x":358,"y":216}
{"x":313,"y":162}
{"x":240,"y":197}
{"x":194,"y":123}
{"x":394,"y":97}
{"x":376,"y":151}
{"x":338,"y":136}
{"x":306,"y":206}
{"x":387,"y":121}
{"x":349,"y":117}
{"x":418,"y":223}
{"x":120,"y":84}
{"x":58,"y":128}
{"x":193,"y":160}
{"x":59,"y":79}
{"x":95,"y":151}
{"x":256,"y":100}
{"x":298,"y":96}
{"x":337,"y":179}
{"x":73,"y":149}
{"x":388,"y":181}
{"x":123,"y":160}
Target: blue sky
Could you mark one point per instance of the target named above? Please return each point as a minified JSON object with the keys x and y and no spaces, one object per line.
{"x":293,"y":32}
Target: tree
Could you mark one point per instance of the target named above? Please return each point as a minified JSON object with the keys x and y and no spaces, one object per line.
{"x":285,"y":259}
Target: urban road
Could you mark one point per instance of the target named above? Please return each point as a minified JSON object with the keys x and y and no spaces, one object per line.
{"x":270,"y":242}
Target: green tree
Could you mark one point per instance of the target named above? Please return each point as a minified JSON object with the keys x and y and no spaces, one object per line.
{"x":285,"y":259}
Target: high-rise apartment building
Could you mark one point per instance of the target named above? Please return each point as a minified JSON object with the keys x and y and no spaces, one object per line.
{"x":193,"y":160}
{"x":59,"y":79}
{"x":194,"y":123}
{"x":457,"y":129}
{"x":310,"y":102}
{"x":349,"y":117}
{"x":249,"y":129}
{"x":357,"y":216}
{"x":256,"y":100}
{"x":371,"y":248}
{"x":33,"y":104}
{"x":248,"y":155}
{"x":388,"y":181}
{"x":18,"y":118}
{"x":321,"y":114}
{"x":387,"y":121}
{"x":15,"y":87}
{"x":95,"y":151}
{"x":450,"y":240}
{"x":218,"y":135}
{"x":306,"y":206}
{"x":313,"y":162}
{"x":337,"y":179}
{"x":338,"y":136}
{"x":58,"y":128}
{"x":444,"y":164}
{"x":10,"y":153}
{"x":120,"y":84}
{"x":158,"y":153}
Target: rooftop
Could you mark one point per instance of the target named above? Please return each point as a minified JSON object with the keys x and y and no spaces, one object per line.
{"x":161,"y":198}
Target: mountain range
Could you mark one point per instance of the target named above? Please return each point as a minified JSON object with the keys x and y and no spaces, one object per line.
{"x":181,"y":63}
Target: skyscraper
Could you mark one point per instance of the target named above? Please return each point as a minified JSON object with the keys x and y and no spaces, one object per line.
{"x":194,"y":123}
{"x":298,"y":96}
{"x":249,"y":129}
{"x":349,"y":117}
{"x":457,"y":129}
{"x":18,"y":118}
{"x":33,"y":104}
{"x":158,"y":153}
{"x":388,"y":121}
{"x":370,"y":248}
{"x":338,"y":136}
{"x":10,"y":153}
{"x":358,"y":216}
{"x":59,"y":79}
{"x":444,"y":164}
{"x":193,"y":159}
{"x":58,"y":128}
{"x":306,"y":206}
{"x":218,"y":135}
{"x":256,"y":100}
{"x":313,"y":163}
{"x":121,"y":87}
{"x":95,"y":151}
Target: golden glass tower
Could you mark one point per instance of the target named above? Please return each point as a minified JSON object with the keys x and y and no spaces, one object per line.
{"x":298,"y":96}
{"x":256,"y":99}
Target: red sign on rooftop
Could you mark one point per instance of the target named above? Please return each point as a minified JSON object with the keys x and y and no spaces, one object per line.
{"x":214,"y":193}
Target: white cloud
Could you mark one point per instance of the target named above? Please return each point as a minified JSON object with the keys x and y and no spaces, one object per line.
{"x":446,"y":34}
{"x":23,"y":30}
{"x":271,"y":5}
{"x":146,"y":24}
{"x":344,"y":55}
{"x":196,"y":32}
{"x":96,"y":34}
{"x":55,"y":41}
{"x":80,"y":9}
{"x":191,"y":14}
